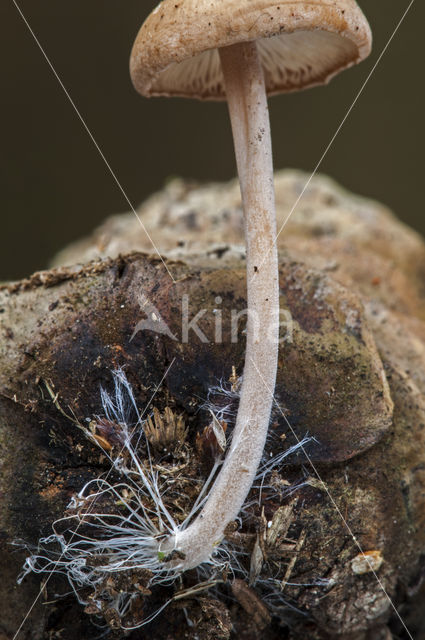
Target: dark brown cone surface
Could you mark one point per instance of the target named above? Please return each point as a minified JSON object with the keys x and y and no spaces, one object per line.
{"x":351,"y":374}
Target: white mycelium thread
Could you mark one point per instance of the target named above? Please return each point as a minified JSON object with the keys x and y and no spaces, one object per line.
{"x":90,"y":543}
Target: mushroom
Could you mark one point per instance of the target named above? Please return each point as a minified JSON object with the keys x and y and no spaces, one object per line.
{"x":241,"y":51}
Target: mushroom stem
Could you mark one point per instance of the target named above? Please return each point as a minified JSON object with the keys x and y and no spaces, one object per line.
{"x":247,"y":101}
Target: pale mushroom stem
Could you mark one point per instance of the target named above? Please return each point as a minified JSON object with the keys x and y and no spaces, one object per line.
{"x":246,"y":95}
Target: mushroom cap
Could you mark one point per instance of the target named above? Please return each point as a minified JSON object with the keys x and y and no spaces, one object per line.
{"x":301,"y":43}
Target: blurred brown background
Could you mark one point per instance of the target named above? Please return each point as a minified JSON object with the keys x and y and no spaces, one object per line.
{"x":56,"y":188}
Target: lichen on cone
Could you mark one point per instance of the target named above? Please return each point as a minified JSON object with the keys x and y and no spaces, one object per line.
{"x":351,"y":376}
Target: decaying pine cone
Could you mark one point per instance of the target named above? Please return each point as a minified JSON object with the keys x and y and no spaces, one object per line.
{"x":351,"y":376}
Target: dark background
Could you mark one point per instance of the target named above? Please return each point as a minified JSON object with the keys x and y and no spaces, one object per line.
{"x":54,"y":185}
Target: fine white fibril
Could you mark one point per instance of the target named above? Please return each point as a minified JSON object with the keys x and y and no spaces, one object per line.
{"x":91,"y":544}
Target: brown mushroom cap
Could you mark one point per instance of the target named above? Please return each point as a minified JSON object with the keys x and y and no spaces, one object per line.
{"x":301,"y":44}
